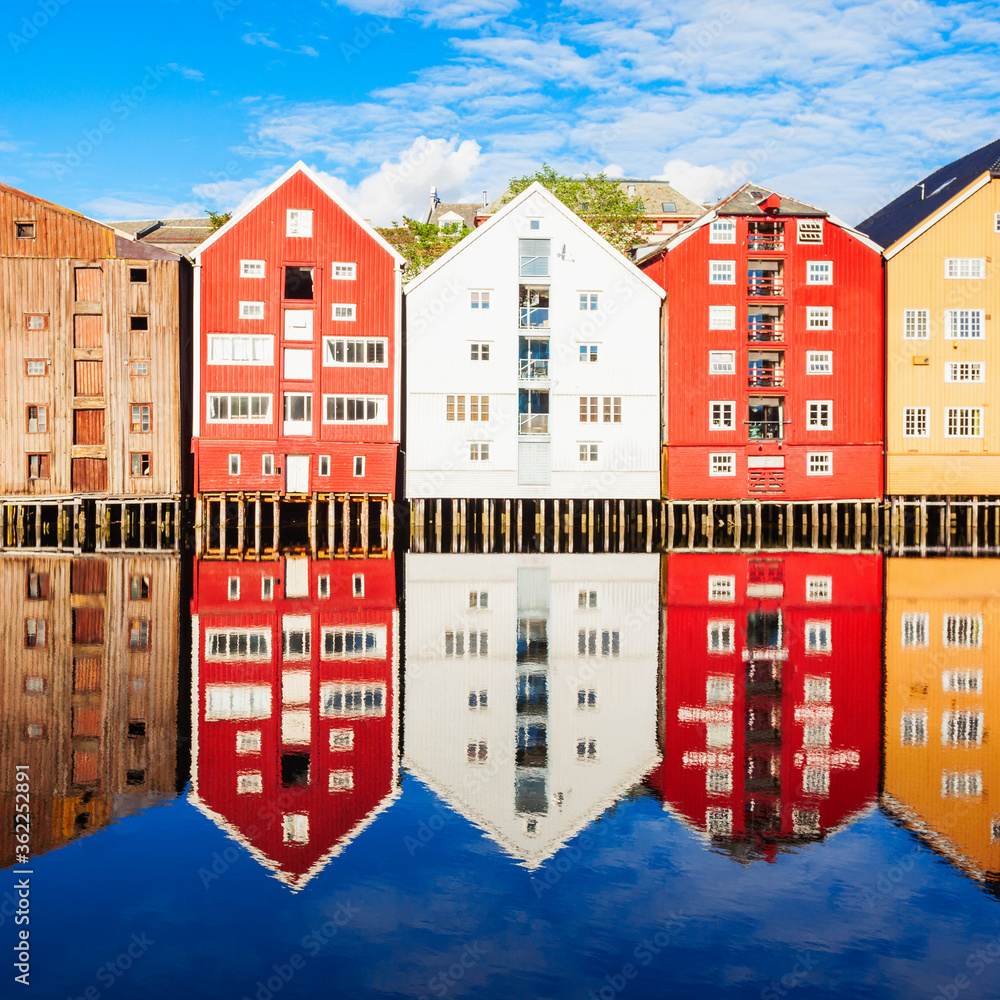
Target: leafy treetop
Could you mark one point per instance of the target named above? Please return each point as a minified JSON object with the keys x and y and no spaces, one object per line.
{"x":421,"y":243}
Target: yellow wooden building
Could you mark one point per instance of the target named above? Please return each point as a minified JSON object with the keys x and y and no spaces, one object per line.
{"x":943,"y":330}
{"x":942,"y":696}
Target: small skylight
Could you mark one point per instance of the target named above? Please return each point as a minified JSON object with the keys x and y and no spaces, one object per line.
{"x":941,"y":187}
{"x":669,"y":206}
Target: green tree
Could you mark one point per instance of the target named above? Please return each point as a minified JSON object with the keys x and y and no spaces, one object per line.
{"x":599,"y":200}
{"x":216,"y":220}
{"x":421,"y":243}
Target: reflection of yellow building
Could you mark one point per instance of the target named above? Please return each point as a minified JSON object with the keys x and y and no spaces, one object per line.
{"x":942,"y":664}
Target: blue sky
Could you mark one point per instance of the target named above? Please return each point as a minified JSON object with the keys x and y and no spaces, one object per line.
{"x":171,"y":107}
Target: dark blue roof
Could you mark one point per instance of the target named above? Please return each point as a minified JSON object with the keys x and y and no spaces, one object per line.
{"x":910,"y":209}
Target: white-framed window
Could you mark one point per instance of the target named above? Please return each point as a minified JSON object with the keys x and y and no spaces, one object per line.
{"x":344,"y":270}
{"x":479,"y":299}
{"x":479,"y":700}
{"x":963,"y":371}
{"x":298,"y":324}
{"x":324,"y":465}
{"x":721,"y":362}
{"x":963,"y":421}
{"x":819,"y":588}
{"x":964,"y":324}
{"x":343,"y":312}
{"x":586,"y":699}
{"x":479,"y":599}
{"x":297,"y":363}
{"x":479,"y":451}
{"x":267,"y":465}
{"x":996,"y":222}
{"x":819,"y":317}
{"x":722,"y":463}
{"x":248,"y":741}
{"x":810,"y":231}
{"x":816,"y":780}
{"x":479,"y":408}
{"x":477,"y":752}
{"x":267,"y":588}
{"x":722,"y":317}
{"x":964,"y":267}
{"x":249,"y":783}
{"x":819,"y":272}
{"x":718,"y":690}
{"x":588,"y":353}
{"x":340,"y":781}
{"x":236,"y":349}
{"x":722,"y":589}
{"x":963,"y":631}
{"x":233,"y":587}
{"x":358,"y":584}
{"x":297,"y":412}
{"x":354,"y":642}
{"x":805,"y":823}
{"x":819,"y":414}
{"x":586,"y":599}
{"x":719,"y":822}
{"x":818,"y":637}
{"x":479,"y":352}
{"x":234,"y":465}
{"x":962,"y":681}
{"x":916,"y":324}
{"x":961,"y":727}
{"x":295,"y":828}
{"x":915,"y":628}
{"x":915,"y":422}
{"x":368,"y":352}
{"x":722,"y":415}
{"x":323,"y":585}
{"x":586,"y":749}
{"x":588,"y":452}
{"x":341,"y":739}
{"x":589,"y":301}
{"x":722,"y":231}
{"x":816,"y":734}
{"x":722,"y":272}
{"x":819,"y":463}
{"x":229,"y":408}
{"x":718,"y":781}
{"x":359,"y":466}
{"x":345,"y":700}
{"x":251,"y":310}
{"x":819,"y":362}
{"x":961,"y":784}
{"x":251,"y":269}
{"x":355,"y":409}
{"x":466,"y":642}
{"x":913,"y":728}
{"x":299,"y":222}
{"x":722,"y":637}
{"x":817,"y":689}
{"x":238,"y":644}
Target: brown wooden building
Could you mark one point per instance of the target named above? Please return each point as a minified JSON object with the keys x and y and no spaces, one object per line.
{"x":95,"y":333}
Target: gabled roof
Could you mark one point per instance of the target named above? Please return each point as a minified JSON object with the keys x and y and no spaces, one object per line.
{"x":466,"y":212}
{"x":936,"y":191}
{"x":656,"y":197}
{"x":534,"y":190}
{"x":299,"y":167}
{"x":179,"y":236}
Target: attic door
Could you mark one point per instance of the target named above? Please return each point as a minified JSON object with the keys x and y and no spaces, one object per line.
{"x":89,"y":378}
{"x":88,"y":427}
{"x":534,"y":465}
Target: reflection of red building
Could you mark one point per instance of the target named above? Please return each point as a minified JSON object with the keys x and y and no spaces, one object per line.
{"x":771,"y":695}
{"x":295,"y":704}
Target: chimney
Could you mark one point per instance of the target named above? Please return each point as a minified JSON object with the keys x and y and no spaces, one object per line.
{"x":921,"y":191}
{"x":485,"y":202}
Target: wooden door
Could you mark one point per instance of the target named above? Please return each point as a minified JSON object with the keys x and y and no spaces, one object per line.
{"x":88,"y":331}
{"x":89,"y":378}
{"x":88,"y":427}
{"x":297,"y":474}
{"x":90,"y":475}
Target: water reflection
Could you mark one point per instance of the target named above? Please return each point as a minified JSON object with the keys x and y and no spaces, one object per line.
{"x":89,"y":666}
{"x":531,"y":688}
{"x":770,"y":696}
{"x":294,"y":705}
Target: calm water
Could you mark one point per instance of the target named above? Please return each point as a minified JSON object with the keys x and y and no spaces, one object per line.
{"x":503,"y":776}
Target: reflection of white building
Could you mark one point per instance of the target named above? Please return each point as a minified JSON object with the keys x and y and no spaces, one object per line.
{"x":531,"y":688}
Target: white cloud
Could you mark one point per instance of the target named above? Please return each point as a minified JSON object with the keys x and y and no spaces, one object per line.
{"x":264,"y":39}
{"x":120,"y":208}
{"x":459,"y":14}
{"x":186,"y":71}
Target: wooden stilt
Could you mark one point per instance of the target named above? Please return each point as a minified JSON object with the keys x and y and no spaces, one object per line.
{"x":814,"y":525}
{"x":365,"y":524}
{"x":276,"y":528}
{"x":835,"y":524}
{"x":649,"y":525}
{"x":541,"y":527}
{"x":570,"y":526}
{"x":556,"y":524}
{"x":241,"y":524}
{"x":621,"y":525}
{"x":789,"y":525}
{"x":670,"y":525}
{"x":758,"y":527}
{"x":711,"y":525}
{"x":38,"y":525}
{"x":974,"y":525}
{"x":607,"y":525}
{"x":949,"y":527}
{"x":857,"y":526}
{"x":590,"y":525}
{"x":737,"y":523}
{"x":691,"y":529}
{"x":76,"y":532}
{"x":506,"y":525}
{"x":663,"y":525}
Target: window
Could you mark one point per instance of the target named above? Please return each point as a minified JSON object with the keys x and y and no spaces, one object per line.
{"x":588,"y":301}
{"x":819,"y":318}
{"x":34,"y":632}
{"x":355,"y":409}
{"x":916,"y":324}
{"x":963,"y":371}
{"x":234,"y":349}
{"x":234,"y":465}
{"x":586,"y":750}
{"x":370,"y":351}
{"x":915,"y":628}
{"x":588,"y":409}
{"x":341,"y":781}
{"x":341,"y":739}
{"x":962,"y":681}
{"x":297,"y":412}
{"x":38,"y":419}
{"x":295,"y":828}
{"x":913,"y":728}
{"x":298,"y":282}
{"x":819,"y":272}
{"x":479,"y":599}
{"x":139,"y":463}
{"x":719,"y":822}
{"x":722,"y":637}
{"x":588,"y":452}
{"x":722,"y":317}
{"x":819,"y":463}
{"x":36,"y":367}
{"x":479,"y":300}
{"x":267,"y":465}
{"x":996,"y":222}
{"x":36,"y":322}
{"x":588,"y":353}
{"x":342,"y":700}
{"x":358,"y":584}
{"x":816,"y":781}
{"x":722,"y":464}
{"x":344,"y":312}
{"x":359,"y":466}
{"x":299,"y":222}
{"x":586,"y":642}
{"x":817,"y":689}
{"x":722,"y":362}
{"x":477,"y":752}
{"x":267,"y":588}
{"x":38,"y":466}
{"x":534,"y":258}
{"x":140,"y":367}
{"x":249,"y":783}
{"x":816,"y":735}
{"x":37,"y":586}
{"x":250,"y":310}
{"x":961,"y":784}
{"x":24,"y":230}
{"x":819,"y":588}
{"x":810,"y":231}
{"x":915,"y":421}
{"x":34,"y":685}
{"x":586,"y":698}
{"x":138,"y":323}
{"x":479,"y":352}
{"x":586,"y":599}
{"x":138,"y":587}
{"x":534,"y":223}
{"x":964,"y":421}
{"x":297,"y":364}
{"x":234,"y":588}
{"x":478,"y":700}
{"x":466,"y":643}
{"x":722,"y":231}
{"x":961,"y":727}
{"x":138,"y":633}
{"x":718,"y":690}
{"x":723,"y":415}
{"x":964,"y":267}
{"x":612,"y":409}
{"x":234,"y":409}
{"x":818,"y":638}
{"x":354,"y":642}
{"x":722,"y":588}
{"x":141,"y":422}
{"x":722,"y":272}
{"x":344,"y":270}
{"x":238,"y":644}
{"x":718,"y":781}
{"x":963,"y":631}
{"x":818,"y":414}
{"x":251,"y":269}
{"x":819,"y":362}
{"x":963,"y":324}
{"x":479,"y":451}
{"x":479,"y":408}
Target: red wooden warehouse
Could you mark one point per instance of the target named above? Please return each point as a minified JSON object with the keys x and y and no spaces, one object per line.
{"x":771,"y":696}
{"x":297,"y":367}
{"x":773,"y":356}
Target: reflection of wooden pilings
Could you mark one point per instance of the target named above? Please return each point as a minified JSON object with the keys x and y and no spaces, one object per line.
{"x":570,"y":526}
{"x":520,"y":524}
{"x":621,"y":525}
{"x":556,"y":525}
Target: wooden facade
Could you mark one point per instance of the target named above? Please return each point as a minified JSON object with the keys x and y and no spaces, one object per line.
{"x":96,"y":330}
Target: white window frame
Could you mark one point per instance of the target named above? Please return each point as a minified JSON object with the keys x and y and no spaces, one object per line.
{"x":233,"y":585}
{"x":479,"y":298}
{"x":480,"y":350}
{"x":589,"y":301}
{"x":955,"y":320}
{"x":588,"y":451}
{"x":323,"y":466}
{"x":329,"y":349}
{"x":974,"y":268}
{"x":479,"y":451}
{"x":722,"y":425}
{"x":229,"y":396}
{"x":819,"y":424}
{"x":722,"y":463}
{"x":819,"y":362}
{"x":304,"y":329}
{"x":915,"y":625}
{"x":721,"y":362}
{"x":349,"y":265}
{"x":267,"y":465}
{"x":819,"y":463}
{"x":722,"y":272}
{"x":913,"y":728}
{"x":358,"y":466}
{"x":296,"y":427}
{"x":722,"y":589}
{"x":234,"y":464}
{"x":818,"y":636}
{"x":819,"y":272}
{"x":252,"y":268}
{"x":819,"y":589}
{"x":349,"y":315}
{"x":721,"y":639}
{"x":381,"y":408}
{"x":251,"y":310}
{"x":976,"y":370}
{"x":974,"y":624}
{"x":259,"y":347}
{"x":722,"y":317}
{"x":974,"y":415}
{"x":916,"y":324}
{"x":722,"y":230}
{"x":819,"y":317}
{"x":299,"y":222}
{"x":996,"y":222}
{"x":921,"y":421}
{"x":805,"y":227}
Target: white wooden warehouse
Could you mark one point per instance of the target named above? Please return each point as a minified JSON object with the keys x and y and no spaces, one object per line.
{"x":533,"y":364}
